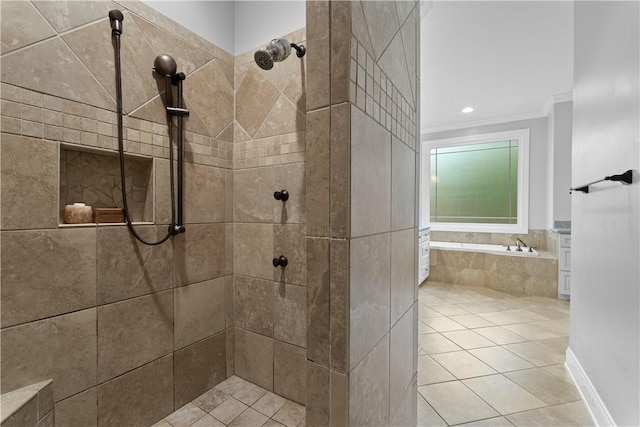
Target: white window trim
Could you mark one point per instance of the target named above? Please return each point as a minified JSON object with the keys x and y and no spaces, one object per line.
{"x":522,"y":227}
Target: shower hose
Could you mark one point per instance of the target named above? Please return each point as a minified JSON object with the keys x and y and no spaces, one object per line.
{"x":172,"y":227}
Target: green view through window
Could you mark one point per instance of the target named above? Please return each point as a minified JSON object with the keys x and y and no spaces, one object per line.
{"x":476,"y":183}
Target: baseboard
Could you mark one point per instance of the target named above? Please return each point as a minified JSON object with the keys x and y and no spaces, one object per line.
{"x":590,"y":396}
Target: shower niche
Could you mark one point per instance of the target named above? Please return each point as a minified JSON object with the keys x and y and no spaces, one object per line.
{"x":92,"y":176}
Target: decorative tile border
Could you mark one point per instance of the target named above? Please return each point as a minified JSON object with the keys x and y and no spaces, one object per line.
{"x":274,"y":150}
{"x":29,"y":113}
{"x":374,"y":93}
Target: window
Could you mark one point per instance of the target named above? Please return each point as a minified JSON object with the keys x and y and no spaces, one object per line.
{"x":477,"y":183}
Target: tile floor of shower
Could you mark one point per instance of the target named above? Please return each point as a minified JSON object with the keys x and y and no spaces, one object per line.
{"x":236,"y":402}
{"x":487,"y":358}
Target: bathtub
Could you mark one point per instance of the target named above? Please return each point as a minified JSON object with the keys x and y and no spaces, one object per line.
{"x":484,"y":248}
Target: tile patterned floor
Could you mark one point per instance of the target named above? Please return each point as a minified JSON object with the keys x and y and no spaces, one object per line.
{"x":487,"y":358}
{"x":237,"y":403}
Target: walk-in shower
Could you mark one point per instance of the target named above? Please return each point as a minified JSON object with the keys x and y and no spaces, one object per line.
{"x":165,"y":66}
{"x":276,"y":51}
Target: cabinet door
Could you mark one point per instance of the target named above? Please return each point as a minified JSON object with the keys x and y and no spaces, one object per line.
{"x":565,"y":240}
{"x":564,"y":283}
{"x":564,"y":259}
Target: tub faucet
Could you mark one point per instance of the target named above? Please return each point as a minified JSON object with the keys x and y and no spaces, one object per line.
{"x":519,"y":242}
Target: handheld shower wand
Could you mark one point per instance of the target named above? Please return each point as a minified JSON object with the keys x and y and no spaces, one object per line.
{"x":116,"y":18}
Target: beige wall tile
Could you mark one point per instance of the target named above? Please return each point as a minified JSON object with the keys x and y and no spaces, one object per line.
{"x":406,"y":413}
{"x":359,"y":26}
{"x":61,"y":348}
{"x":289,"y":310}
{"x":229,"y":252}
{"x":253,"y":194}
{"x":186,"y":55}
{"x":318,"y":395}
{"x":22,"y":25}
{"x":410,"y":32}
{"x":30,"y":183}
{"x":162,"y":192}
{"x":254,"y":250}
{"x":229,"y":298}
{"x":215,"y":111}
{"x":162,"y":21}
{"x":199,"y":367}
{"x":403,"y":271}
{"x":128,"y":268}
{"x":255,"y":96}
{"x":45,"y":273}
{"x":319,"y":79}
{"x":402,"y":185}
{"x":64,"y":16}
{"x":289,"y":240}
{"x":254,"y":304}
{"x":369,"y":294}
{"x":340,"y":170}
{"x":94,"y":48}
{"x":289,"y":371}
{"x":199,"y":253}
{"x":370,"y":176}
{"x":318,"y":172}
{"x":401,"y":372}
{"x":393,"y":63}
{"x":318,"y":30}
{"x":231,"y":351}
{"x":203,"y":194}
{"x":339,"y":304}
{"x":283,"y":118}
{"x":382,"y":20}
{"x":369,"y":388}
{"x":80,"y":409}
{"x":25,"y":415}
{"x":318,"y":19}
{"x":200,"y":311}
{"x":291,"y":178}
{"x":139,"y":397}
{"x":318,"y":287}
{"x":254,"y":358}
{"x":229,"y":201}
{"x":134,"y":332}
{"x":339,"y":399}
{"x":340,"y":50}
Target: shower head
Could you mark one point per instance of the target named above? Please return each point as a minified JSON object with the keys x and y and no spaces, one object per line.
{"x":276,"y":51}
{"x":165,"y":65}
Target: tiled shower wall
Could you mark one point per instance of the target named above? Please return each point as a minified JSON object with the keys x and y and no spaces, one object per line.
{"x":269,"y":156}
{"x":362,"y":128}
{"x":127,"y":332}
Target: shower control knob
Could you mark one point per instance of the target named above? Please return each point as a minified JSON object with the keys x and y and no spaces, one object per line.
{"x":281,"y":261}
{"x":281,"y":195}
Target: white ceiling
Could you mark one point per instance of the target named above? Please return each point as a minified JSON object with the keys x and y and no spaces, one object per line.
{"x":507,"y":59}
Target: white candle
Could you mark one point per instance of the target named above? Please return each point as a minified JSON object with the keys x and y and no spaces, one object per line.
{"x":78,"y":213}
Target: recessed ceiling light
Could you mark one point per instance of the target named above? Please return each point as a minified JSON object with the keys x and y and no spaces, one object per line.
{"x":467,"y":109}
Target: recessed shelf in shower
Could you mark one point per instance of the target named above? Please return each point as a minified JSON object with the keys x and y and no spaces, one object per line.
{"x":92,"y":176}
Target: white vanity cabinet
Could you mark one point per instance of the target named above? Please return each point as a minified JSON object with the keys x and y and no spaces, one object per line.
{"x":423,"y":255}
{"x":564,"y":266}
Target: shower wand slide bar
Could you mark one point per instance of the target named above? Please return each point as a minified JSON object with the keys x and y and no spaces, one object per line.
{"x":623,"y":178}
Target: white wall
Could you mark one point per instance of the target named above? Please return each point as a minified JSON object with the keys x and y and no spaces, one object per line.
{"x":258,"y":22}
{"x":559,"y":162}
{"x":605,"y":294}
{"x":235,"y":26}
{"x":537,"y":161}
{"x":212,"y":20}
